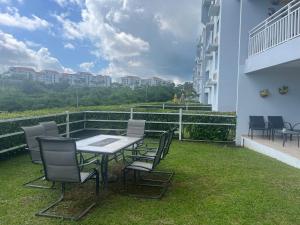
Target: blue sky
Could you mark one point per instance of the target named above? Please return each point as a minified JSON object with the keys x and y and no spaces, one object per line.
{"x":112,"y":37}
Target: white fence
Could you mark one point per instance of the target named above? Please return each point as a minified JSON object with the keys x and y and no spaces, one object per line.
{"x":277,"y":29}
{"x":87,"y":120}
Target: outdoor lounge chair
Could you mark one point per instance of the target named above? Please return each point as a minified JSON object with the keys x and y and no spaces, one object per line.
{"x":276,"y":123}
{"x":151,"y":152}
{"x":144,"y":164}
{"x":31,"y":133}
{"x":51,"y":129}
{"x":135,"y":128}
{"x":257,"y":123}
{"x":61,"y":165}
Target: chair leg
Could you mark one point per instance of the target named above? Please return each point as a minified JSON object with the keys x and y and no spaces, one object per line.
{"x":32,"y":185}
{"x":163,"y":184}
{"x":45,"y":212}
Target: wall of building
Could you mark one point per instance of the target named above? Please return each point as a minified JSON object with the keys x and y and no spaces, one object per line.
{"x":228,"y":55}
{"x":252,"y":12}
{"x":251,"y":103}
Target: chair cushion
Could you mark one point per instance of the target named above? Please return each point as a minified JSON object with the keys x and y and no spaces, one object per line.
{"x":138,"y":165}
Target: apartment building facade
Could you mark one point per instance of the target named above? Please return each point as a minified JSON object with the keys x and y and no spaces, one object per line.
{"x":216,"y":63}
{"x":269,"y":59}
{"x":54,"y":77}
{"x":135,"y":81}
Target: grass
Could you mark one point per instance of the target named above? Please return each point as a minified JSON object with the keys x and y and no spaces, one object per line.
{"x":213,"y":184}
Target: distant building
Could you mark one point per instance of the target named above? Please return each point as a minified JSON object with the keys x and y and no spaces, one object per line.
{"x":49,"y":77}
{"x":134,"y":81}
{"x":21,"y":73}
{"x":54,"y":77}
{"x":131,"y":81}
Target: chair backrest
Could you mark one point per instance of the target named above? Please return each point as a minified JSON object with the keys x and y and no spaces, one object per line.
{"x":257,"y":122}
{"x":168,"y":141}
{"x":59,"y":159}
{"x":276,"y":122}
{"x":136,"y":128}
{"x":31,"y":133}
{"x":161,"y":147}
{"x":51,"y":129}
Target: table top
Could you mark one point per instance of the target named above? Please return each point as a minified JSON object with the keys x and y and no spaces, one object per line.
{"x":290,"y":132}
{"x":107,"y":144}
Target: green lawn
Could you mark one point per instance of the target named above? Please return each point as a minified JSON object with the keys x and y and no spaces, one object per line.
{"x":213,"y":185}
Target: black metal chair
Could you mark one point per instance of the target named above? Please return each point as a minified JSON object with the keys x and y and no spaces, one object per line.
{"x":31,"y":133}
{"x":276,"y":123}
{"x":257,"y":123}
{"x":145,"y":164}
{"x":151,"y":152}
{"x":61,"y":165}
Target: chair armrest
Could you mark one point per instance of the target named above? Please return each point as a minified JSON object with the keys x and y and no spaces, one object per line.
{"x":296,"y":124}
{"x":88,"y":163}
{"x":141,"y":157}
{"x":289,"y":125}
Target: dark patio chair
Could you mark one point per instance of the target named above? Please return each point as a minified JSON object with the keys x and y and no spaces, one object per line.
{"x":145,"y":164}
{"x":257,"y":123}
{"x":31,"y":133}
{"x":51,"y":129}
{"x":61,"y":165}
{"x":151,"y":152}
{"x":276,"y":123}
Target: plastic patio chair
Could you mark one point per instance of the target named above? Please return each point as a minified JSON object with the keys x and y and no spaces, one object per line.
{"x":145,"y":164}
{"x":61,"y":165}
{"x":31,"y":133}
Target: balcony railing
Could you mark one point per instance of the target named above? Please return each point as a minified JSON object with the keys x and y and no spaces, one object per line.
{"x":281,"y":27}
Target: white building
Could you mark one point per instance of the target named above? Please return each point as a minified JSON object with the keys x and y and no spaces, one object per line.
{"x":54,"y":77}
{"x":269,"y":58}
{"x":215,"y":72}
{"x":19,"y":72}
{"x":134,"y":81}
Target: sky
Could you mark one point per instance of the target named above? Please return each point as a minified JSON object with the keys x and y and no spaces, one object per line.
{"x":111,"y":37}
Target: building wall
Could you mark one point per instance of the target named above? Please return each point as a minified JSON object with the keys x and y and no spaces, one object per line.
{"x":228,"y":55}
{"x":251,"y":103}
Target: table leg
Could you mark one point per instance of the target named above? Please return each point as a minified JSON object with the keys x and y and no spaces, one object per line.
{"x":104,"y":170}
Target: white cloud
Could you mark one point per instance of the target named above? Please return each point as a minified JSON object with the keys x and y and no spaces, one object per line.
{"x":69,"y":46}
{"x":64,"y":3}
{"x":87,"y":66}
{"x":18,"y":53}
{"x":12,"y":18}
{"x":139,"y":37}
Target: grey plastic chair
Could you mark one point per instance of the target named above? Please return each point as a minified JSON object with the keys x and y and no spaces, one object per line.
{"x":145,"y":164}
{"x":61,"y":165}
{"x":31,"y":133}
{"x":51,"y":129}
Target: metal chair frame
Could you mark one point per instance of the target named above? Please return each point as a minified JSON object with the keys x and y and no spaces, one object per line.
{"x":93,"y":174}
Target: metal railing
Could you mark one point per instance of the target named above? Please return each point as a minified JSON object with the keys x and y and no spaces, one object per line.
{"x":281,"y":27}
{"x":89,"y":120}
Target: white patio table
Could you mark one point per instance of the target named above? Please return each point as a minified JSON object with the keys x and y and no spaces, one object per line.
{"x":105,"y":145}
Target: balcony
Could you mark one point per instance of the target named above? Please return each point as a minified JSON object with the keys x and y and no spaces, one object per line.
{"x":279,"y":28}
{"x":214,"y":9}
{"x":208,"y":57}
{"x":206,"y":3}
{"x":212,"y":47}
{"x":209,"y":26}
